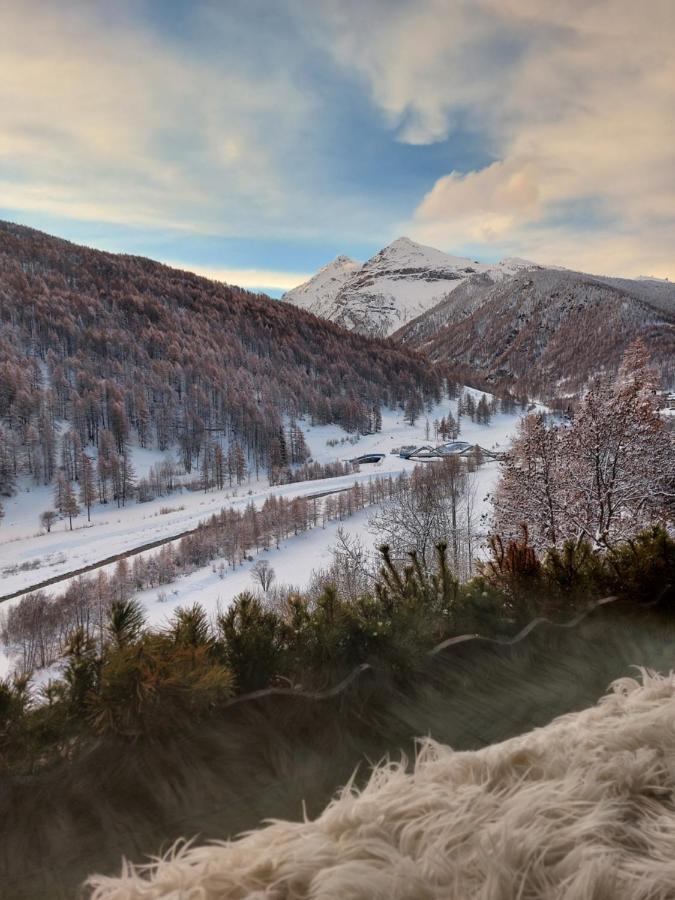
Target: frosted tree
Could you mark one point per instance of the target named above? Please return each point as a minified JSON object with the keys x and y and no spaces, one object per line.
{"x":531,"y":484}
{"x":602,"y":478}
{"x":620,"y":459}
{"x":437,"y":503}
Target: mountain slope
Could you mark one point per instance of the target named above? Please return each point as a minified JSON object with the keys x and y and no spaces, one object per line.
{"x":547,"y":329}
{"x":399,"y":283}
{"x":317,"y":295}
{"x":149,"y":354}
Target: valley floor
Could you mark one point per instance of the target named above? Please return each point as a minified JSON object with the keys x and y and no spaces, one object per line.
{"x":28,"y":557}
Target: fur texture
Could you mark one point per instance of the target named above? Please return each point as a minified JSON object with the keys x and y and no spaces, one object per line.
{"x":582,"y":809}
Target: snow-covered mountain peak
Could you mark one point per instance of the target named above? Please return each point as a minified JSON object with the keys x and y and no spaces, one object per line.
{"x":341,"y":262}
{"x":318,"y":293}
{"x":402,"y":246}
{"x":398,"y":283}
{"x":408,"y":252}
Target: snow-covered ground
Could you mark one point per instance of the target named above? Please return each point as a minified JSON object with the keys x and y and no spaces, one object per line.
{"x":28,"y":556}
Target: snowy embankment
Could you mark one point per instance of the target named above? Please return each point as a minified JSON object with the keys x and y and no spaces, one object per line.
{"x":578,"y":809}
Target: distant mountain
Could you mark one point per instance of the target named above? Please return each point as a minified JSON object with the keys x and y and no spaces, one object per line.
{"x":402,"y":281}
{"x":547,"y":330}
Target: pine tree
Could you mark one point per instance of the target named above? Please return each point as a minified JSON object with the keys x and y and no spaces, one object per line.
{"x":126,"y":620}
{"x":127,"y":477}
{"x":451,"y":427}
{"x":70,"y":507}
{"x":469,"y":406}
{"x":413,"y":407}
{"x":7,"y":473}
{"x":87,"y":485}
{"x":219,"y":466}
{"x":207,"y":464}
{"x":239,"y":463}
{"x":59,"y":491}
{"x":483,"y":413}
{"x":47,"y":439}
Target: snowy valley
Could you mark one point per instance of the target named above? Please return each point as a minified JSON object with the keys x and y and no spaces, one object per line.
{"x":29,"y":555}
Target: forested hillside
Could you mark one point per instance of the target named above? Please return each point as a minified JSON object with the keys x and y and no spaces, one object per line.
{"x":547,"y":331}
{"x":99,"y":347}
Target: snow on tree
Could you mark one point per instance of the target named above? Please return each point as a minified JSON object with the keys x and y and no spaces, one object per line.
{"x":603,"y":477}
{"x":436,"y":503}
{"x":198,"y":359}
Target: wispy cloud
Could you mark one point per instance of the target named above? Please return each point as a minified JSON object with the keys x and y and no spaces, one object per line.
{"x":102,"y":117}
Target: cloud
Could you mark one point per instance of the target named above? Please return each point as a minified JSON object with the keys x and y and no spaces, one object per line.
{"x":489,"y":202}
{"x":222,"y":121}
{"x":105,"y":117}
{"x":576,"y":101}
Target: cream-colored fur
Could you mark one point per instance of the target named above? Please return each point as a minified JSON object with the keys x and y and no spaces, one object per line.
{"x":582,"y":809}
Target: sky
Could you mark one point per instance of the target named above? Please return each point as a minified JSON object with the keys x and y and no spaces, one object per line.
{"x":255,"y":140}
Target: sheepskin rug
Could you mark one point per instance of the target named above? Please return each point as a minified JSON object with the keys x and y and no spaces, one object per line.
{"x":582,"y":809}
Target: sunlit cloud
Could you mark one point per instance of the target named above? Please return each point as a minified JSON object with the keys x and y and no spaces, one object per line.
{"x":577,"y":102}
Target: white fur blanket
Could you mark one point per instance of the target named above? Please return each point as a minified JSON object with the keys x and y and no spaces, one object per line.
{"x":582,"y":809}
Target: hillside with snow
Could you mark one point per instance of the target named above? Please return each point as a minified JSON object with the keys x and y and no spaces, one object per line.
{"x":402,"y":281}
{"x":514,"y":323}
{"x":318,"y":294}
{"x":547,"y":330}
